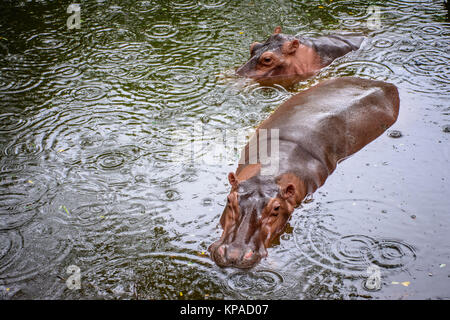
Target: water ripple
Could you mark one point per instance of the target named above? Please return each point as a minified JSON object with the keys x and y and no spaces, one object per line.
{"x":261,"y":94}
{"x":442,"y":73}
{"x":170,"y":195}
{"x":203,"y":35}
{"x":119,"y":53}
{"x":117,"y":158}
{"x":111,"y":160}
{"x":183,"y":6}
{"x":432,"y":66}
{"x":364,"y":69}
{"x":125,"y":61}
{"x":168,"y":174}
{"x":179,"y":82}
{"x":252,"y":284}
{"x":66,"y":71}
{"x":112,"y":221}
{"x":11,"y":246}
{"x":17,"y":80}
{"x":89,"y":92}
{"x":11,"y":122}
{"x":23,"y":194}
{"x":425,"y":62}
{"x":161,"y":31}
{"x":352,"y":253}
{"x":382,"y":42}
{"x":88,"y":163}
{"x":46,"y":41}
{"x":348,"y":10}
{"x":213,"y":4}
{"x":431,"y":32}
{"x":43,"y":252}
{"x":144,"y":7}
{"x":392,"y":254}
{"x":185,"y":276}
{"x":103,"y":37}
{"x":28,"y":148}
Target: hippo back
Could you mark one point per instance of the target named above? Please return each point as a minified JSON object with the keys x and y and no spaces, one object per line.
{"x":333,"y":46}
{"x":336,"y":118}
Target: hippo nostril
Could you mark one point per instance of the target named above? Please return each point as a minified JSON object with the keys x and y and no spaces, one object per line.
{"x":248,"y":254}
{"x":219,"y":255}
{"x":221,"y":250}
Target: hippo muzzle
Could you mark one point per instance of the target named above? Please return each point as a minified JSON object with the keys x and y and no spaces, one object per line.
{"x":247,"y":229}
{"x":247,"y":69}
{"x":236,"y":255}
{"x":241,"y":245}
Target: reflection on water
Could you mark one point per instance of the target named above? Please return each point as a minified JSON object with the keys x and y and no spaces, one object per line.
{"x":87,"y":176}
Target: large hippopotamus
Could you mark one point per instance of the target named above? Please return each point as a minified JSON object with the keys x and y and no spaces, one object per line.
{"x":308,"y":135}
{"x":285,"y":59}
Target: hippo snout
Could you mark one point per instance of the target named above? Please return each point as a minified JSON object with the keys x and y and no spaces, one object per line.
{"x":235,"y":256}
{"x":242,"y":71}
{"x":247,"y":69}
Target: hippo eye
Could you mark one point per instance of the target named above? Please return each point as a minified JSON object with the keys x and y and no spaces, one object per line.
{"x":267,"y":60}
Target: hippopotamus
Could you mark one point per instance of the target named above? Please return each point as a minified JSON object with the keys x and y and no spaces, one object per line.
{"x":312,"y":131}
{"x":285,"y":60}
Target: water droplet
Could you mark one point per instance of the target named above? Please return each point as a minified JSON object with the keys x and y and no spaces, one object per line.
{"x":207,"y":202}
{"x":395,"y":134}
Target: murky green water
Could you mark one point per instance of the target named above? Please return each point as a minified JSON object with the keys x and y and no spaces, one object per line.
{"x":88,"y":177}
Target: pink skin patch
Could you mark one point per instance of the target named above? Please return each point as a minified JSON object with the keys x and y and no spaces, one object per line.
{"x":248,"y":255}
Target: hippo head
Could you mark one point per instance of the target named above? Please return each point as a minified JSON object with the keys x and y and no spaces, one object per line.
{"x":272,"y":61}
{"x":256,"y":212}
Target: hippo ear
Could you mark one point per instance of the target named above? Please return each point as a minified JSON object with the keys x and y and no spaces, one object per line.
{"x":291,"y":46}
{"x":288,"y":191}
{"x":232,"y":179}
{"x":277,"y":29}
{"x":254,"y":46}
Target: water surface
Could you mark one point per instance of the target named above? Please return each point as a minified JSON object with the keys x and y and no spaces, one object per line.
{"x":90,"y":121}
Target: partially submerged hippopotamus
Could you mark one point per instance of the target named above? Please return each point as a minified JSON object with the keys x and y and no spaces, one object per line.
{"x":285,"y":59}
{"x":314,"y":130}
